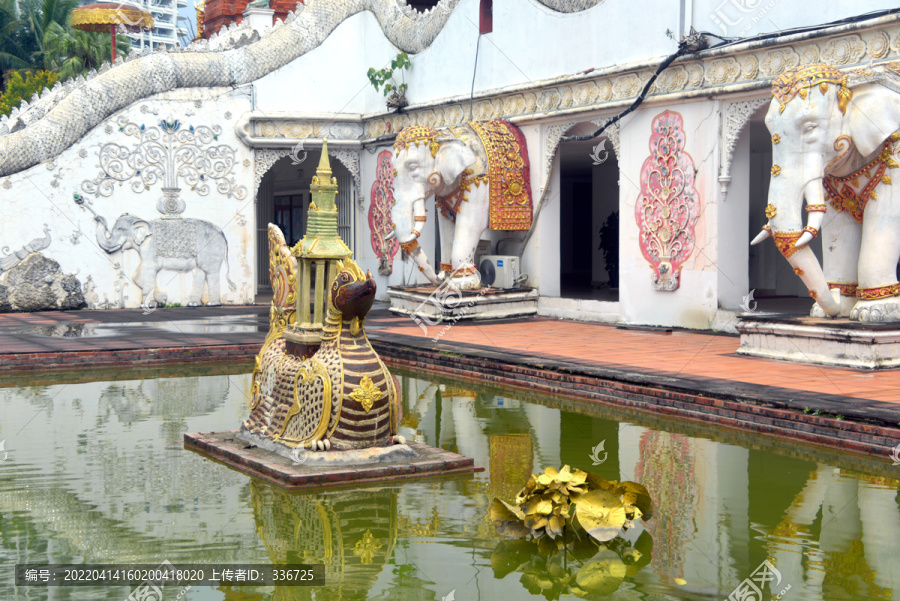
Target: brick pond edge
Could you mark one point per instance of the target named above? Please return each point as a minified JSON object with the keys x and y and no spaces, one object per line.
{"x":868,"y":428}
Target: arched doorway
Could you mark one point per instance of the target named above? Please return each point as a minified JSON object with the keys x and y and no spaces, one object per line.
{"x":283,"y":198}
{"x":589,"y":217}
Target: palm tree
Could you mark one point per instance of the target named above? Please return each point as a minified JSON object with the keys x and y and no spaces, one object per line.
{"x":70,"y":52}
{"x":14,"y":52}
{"x":41,"y":14}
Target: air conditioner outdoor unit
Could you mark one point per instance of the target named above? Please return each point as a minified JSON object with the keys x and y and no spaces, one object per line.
{"x":499,"y":271}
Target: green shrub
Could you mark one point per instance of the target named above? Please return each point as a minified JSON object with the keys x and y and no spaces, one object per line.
{"x":18,"y":89}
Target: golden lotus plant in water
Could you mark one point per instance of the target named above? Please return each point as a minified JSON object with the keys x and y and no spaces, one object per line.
{"x":555,"y":509}
{"x":552,"y":501}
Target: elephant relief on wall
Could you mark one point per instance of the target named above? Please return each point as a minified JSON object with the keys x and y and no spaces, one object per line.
{"x":174,"y":243}
{"x":480,"y":178}
{"x":833,"y":141}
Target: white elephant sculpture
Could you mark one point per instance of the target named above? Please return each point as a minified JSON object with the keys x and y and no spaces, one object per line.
{"x":479,"y":176}
{"x":180,"y":244}
{"x":833,"y":136}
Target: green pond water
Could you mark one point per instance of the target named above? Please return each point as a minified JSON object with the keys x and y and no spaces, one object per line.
{"x":95,"y":472}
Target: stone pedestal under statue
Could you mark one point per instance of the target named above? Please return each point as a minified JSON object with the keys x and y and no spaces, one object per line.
{"x":820,"y":341}
{"x":434,"y":306}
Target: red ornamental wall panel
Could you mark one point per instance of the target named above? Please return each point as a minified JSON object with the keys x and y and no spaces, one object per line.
{"x":669,"y":205}
{"x":380,"y":223}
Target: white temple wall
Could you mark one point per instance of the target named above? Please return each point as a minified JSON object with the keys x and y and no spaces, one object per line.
{"x":331,"y":79}
{"x":44,"y":194}
{"x":732,"y":226}
{"x":693,"y":304}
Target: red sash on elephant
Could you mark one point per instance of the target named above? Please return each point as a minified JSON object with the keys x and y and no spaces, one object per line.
{"x":507,"y":172}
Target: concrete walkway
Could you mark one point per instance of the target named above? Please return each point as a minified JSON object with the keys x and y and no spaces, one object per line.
{"x":700,"y":365}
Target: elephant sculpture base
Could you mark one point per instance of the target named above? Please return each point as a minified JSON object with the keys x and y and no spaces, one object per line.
{"x":434,"y":309}
{"x":820,"y":341}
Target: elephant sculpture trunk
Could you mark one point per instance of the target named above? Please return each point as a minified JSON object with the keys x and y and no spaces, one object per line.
{"x":105,"y":238}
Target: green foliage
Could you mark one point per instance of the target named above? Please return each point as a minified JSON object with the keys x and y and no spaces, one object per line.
{"x":37,"y":35}
{"x":385,"y":77}
{"x":19,"y":89}
{"x":71,"y":52}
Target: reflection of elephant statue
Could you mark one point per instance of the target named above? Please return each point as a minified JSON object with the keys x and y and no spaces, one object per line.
{"x":177,"y":244}
{"x":480,"y":178}
{"x":832,"y":138}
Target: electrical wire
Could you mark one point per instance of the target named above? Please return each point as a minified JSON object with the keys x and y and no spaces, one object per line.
{"x":474,"y":71}
{"x":682,"y":50}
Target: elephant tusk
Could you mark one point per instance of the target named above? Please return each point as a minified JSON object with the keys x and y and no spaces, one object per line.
{"x":391,"y":235}
{"x":760,"y":237}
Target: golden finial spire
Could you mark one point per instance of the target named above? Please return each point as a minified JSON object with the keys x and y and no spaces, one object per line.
{"x":322,"y":239}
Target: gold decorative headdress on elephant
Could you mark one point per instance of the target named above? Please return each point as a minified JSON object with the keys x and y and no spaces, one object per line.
{"x":798,"y":81}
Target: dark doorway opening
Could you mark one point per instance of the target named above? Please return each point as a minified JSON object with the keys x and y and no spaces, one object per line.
{"x":589,"y":220}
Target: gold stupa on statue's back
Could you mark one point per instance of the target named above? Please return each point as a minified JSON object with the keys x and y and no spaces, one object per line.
{"x":317,"y":256}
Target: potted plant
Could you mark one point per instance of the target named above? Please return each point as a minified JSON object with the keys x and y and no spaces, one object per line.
{"x":385,"y":77}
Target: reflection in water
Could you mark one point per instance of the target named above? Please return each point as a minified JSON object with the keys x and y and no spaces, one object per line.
{"x":96,"y":472}
{"x":674,"y":493}
{"x":352,"y":532}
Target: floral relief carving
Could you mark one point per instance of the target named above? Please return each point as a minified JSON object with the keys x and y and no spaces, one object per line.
{"x":734,"y":117}
{"x":810,"y":54}
{"x":514,"y":105}
{"x":879,"y":44}
{"x":548,"y":100}
{"x":483,"y":110}
{"x":779,"y":60}
{"x":565,"y":97}
{"x":167,"y":153}
{"x":725,"y":70}
{"x":264,"y":159}
{"x":551,"y":141}
{"x":695,"y":75}
{"x":844,"y":51}
{"x":585,"y":93}
{"x":671,"y":80}
{"x":453,"y":115}
{"x":611,"y":133}
{"x":530,"y":102}
{"x":604,"y":90}
{"x":749,"y":67}
{"x":350,"y":160}
{"x":626,"y":86}
{"x":380,"y":223}
{"x":669,"y":205}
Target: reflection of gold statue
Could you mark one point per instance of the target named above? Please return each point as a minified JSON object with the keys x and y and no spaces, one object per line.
{"x":352,"y":532}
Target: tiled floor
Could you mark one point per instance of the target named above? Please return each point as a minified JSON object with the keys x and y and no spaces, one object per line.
{"x":685,"y":354}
